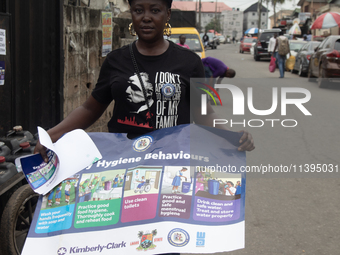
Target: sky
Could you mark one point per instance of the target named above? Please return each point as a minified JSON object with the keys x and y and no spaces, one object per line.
{"x":244,"y":4}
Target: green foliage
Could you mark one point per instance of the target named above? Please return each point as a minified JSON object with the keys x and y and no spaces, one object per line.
{"x":214,"y":25}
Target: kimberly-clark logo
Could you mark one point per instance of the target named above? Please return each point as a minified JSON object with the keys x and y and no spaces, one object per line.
{"x":239,"y":105}
{"x":98,"y":248}
{"x":62,"y":251}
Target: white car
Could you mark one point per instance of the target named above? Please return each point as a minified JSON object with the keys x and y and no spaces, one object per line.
{"x":295,"y":46}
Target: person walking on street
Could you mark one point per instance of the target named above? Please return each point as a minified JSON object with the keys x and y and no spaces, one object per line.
{"x":282,"y":46}
{"x":271,"y":47}
{"x":205,"y":40}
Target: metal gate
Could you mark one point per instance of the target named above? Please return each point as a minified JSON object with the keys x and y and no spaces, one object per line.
{"x":36,"y":28}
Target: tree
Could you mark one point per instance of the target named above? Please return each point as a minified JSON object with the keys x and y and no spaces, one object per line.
{"x":274,"y":3}
{"x":212,"y":24}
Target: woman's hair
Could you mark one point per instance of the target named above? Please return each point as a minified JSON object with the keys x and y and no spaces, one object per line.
{"x":168,"y":2}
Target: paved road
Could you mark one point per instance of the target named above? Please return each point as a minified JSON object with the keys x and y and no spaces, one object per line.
{"x":289,"y":213}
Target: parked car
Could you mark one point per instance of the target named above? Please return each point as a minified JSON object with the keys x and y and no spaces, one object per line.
{"x":261,"y":46}
{"x":222,"y":39}
{"x":325,"y":62}
{"x":247,"y":43}
{"x":193,"y":39}
{"x":212,"y":40}
{"x":303,"y":56}
{"x":295,"y":46}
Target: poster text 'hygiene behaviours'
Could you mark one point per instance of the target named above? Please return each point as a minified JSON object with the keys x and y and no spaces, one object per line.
{"x":166,"y":191}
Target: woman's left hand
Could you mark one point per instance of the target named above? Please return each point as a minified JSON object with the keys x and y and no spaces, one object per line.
{"x":246,"y":141}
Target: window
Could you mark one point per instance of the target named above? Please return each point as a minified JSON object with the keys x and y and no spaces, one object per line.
{"x":263,"y":23}
{"x":235,"y":15}
{"x":337,"y":45}
{"x":304,"y":48}
{"x":322,"y":45}
{"x":263,"y":14}
{"x":231,"y":23}
{"x":328,"y":44}
{"x":253,"y":23}
{"x":237,"y":23}
{"x":253,"y":13}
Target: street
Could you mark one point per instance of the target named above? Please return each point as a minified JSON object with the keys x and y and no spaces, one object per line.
{"x":296,"y":212}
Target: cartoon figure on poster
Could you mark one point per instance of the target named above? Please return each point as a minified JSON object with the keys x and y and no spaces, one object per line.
{"x":101,"y":186}
{"x":177,"y":180}
{"x":143,"y":186}
{"x":147,"y":183}
{"x":115,"y":181}
{"x":58,"y":194}
{"x":229,"y":189}
{"x":67,"y":191}
{"x":50,"y":197}
{"x":61,"y":195}
{"x":217,"y":185}
{"x":238,"y":188}
{"x":201,"y":181}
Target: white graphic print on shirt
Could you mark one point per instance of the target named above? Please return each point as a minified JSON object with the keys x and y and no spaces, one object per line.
{"x":135,"y":92}
{"x":168,"y":95}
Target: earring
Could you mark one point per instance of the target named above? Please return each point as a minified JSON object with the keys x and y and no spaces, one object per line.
{"x":131,"y":30}
{"x":167,"y":29}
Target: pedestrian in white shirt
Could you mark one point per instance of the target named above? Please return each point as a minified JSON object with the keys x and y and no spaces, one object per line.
{"x":271,"y":47}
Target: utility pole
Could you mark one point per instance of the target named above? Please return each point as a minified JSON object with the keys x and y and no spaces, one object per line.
{"x":312,"y":16}
{"x":267,"y":14}
{"x":215,"y":24}
{"x":259,"y":7}
{"x":199,"y":17}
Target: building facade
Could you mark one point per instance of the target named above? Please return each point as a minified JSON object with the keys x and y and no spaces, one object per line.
{"x":280,"y":15}
{"x":250,"y":17}
{"x":232,"y":21}
{"x":209,"y":11}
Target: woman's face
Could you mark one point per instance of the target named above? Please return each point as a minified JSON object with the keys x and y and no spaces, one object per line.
{"x":149,"y":18}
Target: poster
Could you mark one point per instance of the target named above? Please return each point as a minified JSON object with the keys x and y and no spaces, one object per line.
{"x":161,"y":192}
{"x":42,"y":176}
{"x":107,"y":33}
{"x":2,"y":72}
{"x":2,"y":42}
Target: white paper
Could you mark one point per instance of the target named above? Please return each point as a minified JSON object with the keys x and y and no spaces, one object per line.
{"x":75,"y":151}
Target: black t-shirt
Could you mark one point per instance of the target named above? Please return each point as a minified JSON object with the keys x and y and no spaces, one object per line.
{"x":167,"y":83}
{"x":205,"y":38}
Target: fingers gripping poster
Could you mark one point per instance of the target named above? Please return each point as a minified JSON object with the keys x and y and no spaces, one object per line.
{"x":172,"y":190}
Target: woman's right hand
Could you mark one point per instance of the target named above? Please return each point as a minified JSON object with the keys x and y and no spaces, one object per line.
{"x":41,"y":150}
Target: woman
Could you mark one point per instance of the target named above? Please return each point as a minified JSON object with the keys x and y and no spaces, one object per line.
{"x":176,"y":182}
{"x":165,"y":69}
{"x":164,"y":65}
